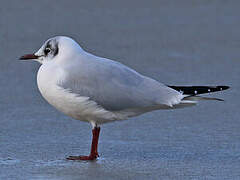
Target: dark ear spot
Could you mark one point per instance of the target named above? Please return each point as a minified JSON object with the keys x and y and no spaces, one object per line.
{"x":56,"y":50}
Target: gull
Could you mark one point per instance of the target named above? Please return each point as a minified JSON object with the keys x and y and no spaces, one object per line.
{"x":99,"y":90}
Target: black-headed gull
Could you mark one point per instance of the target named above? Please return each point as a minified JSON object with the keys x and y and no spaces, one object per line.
{"x":99,"y":90}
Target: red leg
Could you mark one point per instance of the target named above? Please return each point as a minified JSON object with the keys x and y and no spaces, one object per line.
{"x":94,"y":153}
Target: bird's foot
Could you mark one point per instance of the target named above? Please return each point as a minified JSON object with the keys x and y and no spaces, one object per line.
{"x":84,"y":158}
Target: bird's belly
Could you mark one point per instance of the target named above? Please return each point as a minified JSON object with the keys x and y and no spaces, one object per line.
{"x":66,"y":104}
{"x":75,"y":106}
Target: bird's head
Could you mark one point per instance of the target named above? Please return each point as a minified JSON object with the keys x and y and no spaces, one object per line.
{"x":59,"y":47}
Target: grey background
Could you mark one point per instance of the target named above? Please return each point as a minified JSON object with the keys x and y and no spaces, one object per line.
{"x":176,"y":42}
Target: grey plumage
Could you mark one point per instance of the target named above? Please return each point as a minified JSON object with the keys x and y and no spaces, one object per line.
{"x":114,"y":86}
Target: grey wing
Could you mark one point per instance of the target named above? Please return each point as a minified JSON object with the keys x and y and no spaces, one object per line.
{"x":116,"y":87}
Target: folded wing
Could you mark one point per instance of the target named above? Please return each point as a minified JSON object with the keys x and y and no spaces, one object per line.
{"x":116,"y":87}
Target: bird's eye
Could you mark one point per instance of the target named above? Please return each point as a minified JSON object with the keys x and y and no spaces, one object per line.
{"x":47,"y":50}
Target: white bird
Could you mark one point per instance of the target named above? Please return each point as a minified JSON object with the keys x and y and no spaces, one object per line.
{"x":99,"y":90}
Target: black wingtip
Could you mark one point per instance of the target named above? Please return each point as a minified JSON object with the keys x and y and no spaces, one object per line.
{"x":195,"y":90}
{"x":223,"y":87}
